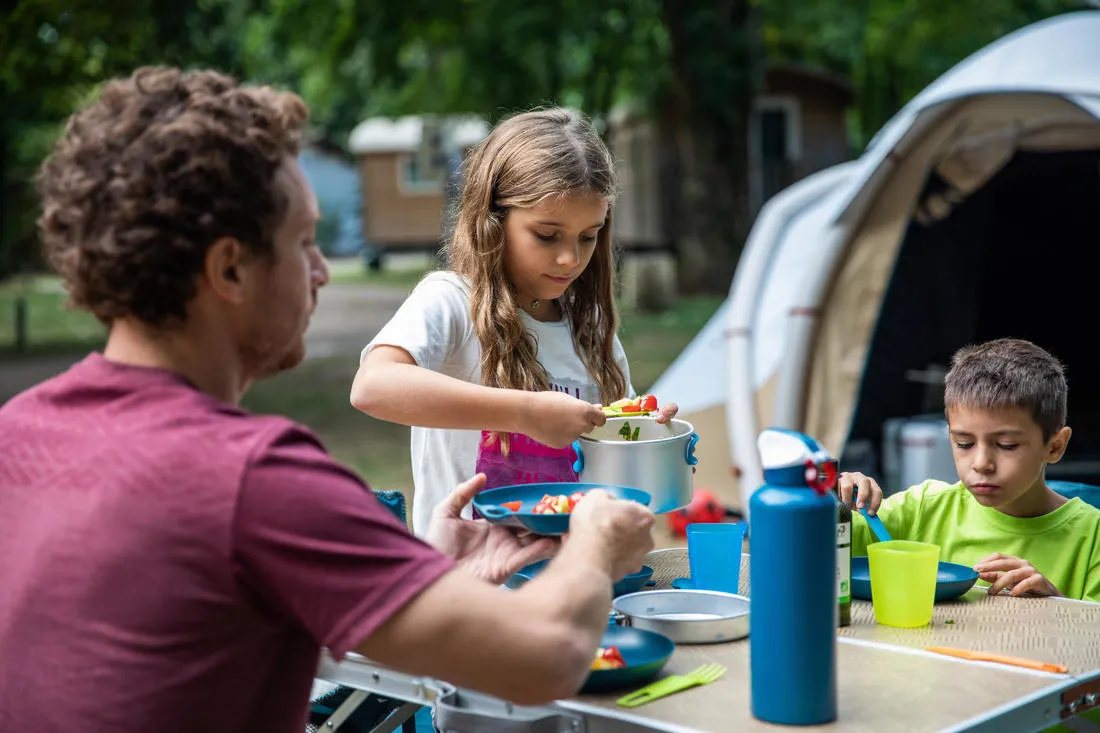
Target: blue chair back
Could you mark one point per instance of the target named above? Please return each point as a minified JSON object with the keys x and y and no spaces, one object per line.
{"x":1071,"y":489}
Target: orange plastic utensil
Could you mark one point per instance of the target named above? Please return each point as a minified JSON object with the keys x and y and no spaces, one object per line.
{"x":1001,"y":658}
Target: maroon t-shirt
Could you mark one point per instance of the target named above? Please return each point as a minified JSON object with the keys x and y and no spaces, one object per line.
{"x":170,"y":562}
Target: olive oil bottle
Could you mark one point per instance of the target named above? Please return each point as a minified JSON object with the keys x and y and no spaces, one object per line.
{"x":843,"y":562}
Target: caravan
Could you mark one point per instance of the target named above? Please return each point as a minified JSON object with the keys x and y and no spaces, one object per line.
{"x":971,"y":215}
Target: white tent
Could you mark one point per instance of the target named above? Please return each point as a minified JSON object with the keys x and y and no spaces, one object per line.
{"x":971,"y":215}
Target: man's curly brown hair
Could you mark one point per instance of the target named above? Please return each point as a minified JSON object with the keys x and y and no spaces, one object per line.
{"x":146,"y":178}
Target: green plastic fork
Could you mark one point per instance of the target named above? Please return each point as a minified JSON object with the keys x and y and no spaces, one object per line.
{"x":703,"y":675}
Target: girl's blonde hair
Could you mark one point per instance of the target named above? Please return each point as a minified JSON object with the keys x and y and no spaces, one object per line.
{"x":524,"y":160}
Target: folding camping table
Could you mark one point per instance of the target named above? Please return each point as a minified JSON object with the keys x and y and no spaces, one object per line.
{"x":886,"y":679}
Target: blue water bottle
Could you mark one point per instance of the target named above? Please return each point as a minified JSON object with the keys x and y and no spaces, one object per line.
{"x":792,"y":572}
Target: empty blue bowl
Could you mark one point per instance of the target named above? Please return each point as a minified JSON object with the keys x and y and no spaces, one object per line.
{"x":952,"y":580}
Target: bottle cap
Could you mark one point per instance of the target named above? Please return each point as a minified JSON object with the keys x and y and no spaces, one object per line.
{"x":791,"y":458}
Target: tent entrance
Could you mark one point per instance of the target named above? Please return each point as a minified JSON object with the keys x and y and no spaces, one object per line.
{"x":1011,"y":259}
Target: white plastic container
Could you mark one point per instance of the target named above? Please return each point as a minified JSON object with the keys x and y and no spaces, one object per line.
{"x":924,"y":452}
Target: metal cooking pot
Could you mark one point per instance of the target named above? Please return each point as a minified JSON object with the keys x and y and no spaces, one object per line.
{"x":685,"y":616}
{"x":641,"y":453}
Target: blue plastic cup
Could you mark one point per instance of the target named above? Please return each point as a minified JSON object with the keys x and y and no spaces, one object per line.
{"x":714,"y":555}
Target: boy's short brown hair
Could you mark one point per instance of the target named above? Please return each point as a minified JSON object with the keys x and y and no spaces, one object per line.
{"x":1009,"y":373}
{"x":147,"y":177}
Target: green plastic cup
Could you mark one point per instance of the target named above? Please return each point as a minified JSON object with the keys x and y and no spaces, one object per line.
{"x":903,"y":581}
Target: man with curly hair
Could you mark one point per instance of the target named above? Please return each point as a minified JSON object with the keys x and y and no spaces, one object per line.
{"x":170,"y":561}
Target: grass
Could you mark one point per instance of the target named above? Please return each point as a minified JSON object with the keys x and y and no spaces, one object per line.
{"x":316,"y":393}
{"x":405,"y":276}
{"x":653,"y":341}
{"x":52,"y":327}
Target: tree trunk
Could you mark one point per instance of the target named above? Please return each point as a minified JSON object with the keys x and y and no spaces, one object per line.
{"x":705,"y":119}
{"x":6,"y":232}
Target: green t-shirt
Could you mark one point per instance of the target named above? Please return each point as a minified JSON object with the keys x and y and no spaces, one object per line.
{"x":1064,"y":545}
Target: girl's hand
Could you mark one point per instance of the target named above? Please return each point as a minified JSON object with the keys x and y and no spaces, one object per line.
{"x":557,"y":419}
{"x":1014,"y":573}
{"x":667,"y":412}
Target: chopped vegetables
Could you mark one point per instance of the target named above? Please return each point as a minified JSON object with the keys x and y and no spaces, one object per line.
{"x":626,"y":432}
{"x":512,"y":506}
{"x":557,"y":503}
{"x":608,"y":657}
{"x":641,"y":405}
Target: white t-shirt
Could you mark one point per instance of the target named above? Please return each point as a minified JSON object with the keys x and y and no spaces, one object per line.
{"x":436,"y":327}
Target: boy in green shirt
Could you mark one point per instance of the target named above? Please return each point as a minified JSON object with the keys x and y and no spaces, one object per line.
{"x":1005,"y":403}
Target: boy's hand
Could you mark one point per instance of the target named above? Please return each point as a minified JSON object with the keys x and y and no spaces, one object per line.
{"x":1014,"y":573}
{"x":868,"y":494}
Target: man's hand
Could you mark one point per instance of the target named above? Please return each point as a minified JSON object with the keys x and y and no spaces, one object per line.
{"x":1014,"y":573}
{"x":616,"y":533}
{"x":489,"y":551}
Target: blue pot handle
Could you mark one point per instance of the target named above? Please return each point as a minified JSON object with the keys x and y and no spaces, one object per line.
{"x":578,"y":465}
{"x":689,"y":450}
{"x":493,"y":512}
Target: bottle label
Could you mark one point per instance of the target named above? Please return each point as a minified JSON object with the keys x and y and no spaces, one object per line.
{"x":844,"y":562}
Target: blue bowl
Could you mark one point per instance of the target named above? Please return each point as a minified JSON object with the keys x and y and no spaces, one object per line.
{"x":645,"y":654}
{"x":488,"y":504}
{"x":627,"y":584}
{"x":952,"y":580}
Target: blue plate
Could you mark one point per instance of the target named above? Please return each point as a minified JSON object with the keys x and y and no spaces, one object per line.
{"x":627,"y":584}
{"x":488,"y":504}
{"x":952,"y":580}
{"x":645,"y":654}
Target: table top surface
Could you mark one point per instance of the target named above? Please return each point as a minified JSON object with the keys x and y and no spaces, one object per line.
{"x":886,"y":680}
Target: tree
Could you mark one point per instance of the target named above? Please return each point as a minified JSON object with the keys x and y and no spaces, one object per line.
{"x":892,"y":49}
{"x":704,"y":126}
{"x":54,"y":53}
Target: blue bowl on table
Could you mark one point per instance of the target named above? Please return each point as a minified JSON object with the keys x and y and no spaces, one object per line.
{"x":488,"y":504}
{"x":952,"y":580}
{"x":645,"y":654}
{"x":627,"y":584}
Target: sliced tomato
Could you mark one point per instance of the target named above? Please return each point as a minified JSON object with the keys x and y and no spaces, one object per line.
{"x":543,"y":508}
{"x":611,"y":656}
{"x":633,"y":407}
{"x":647,"y":402}
{"x":512,"y":506}
{"x":574,"y":498}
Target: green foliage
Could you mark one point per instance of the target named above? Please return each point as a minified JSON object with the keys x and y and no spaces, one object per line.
{"x":355,"y":58}
{"x":892,"y":49}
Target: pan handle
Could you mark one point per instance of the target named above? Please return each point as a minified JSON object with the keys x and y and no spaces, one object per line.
{"x":578,"y":465}
{"x":689,"y":450}
{"x":618,"y":618}
{"x":493,"y":512}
